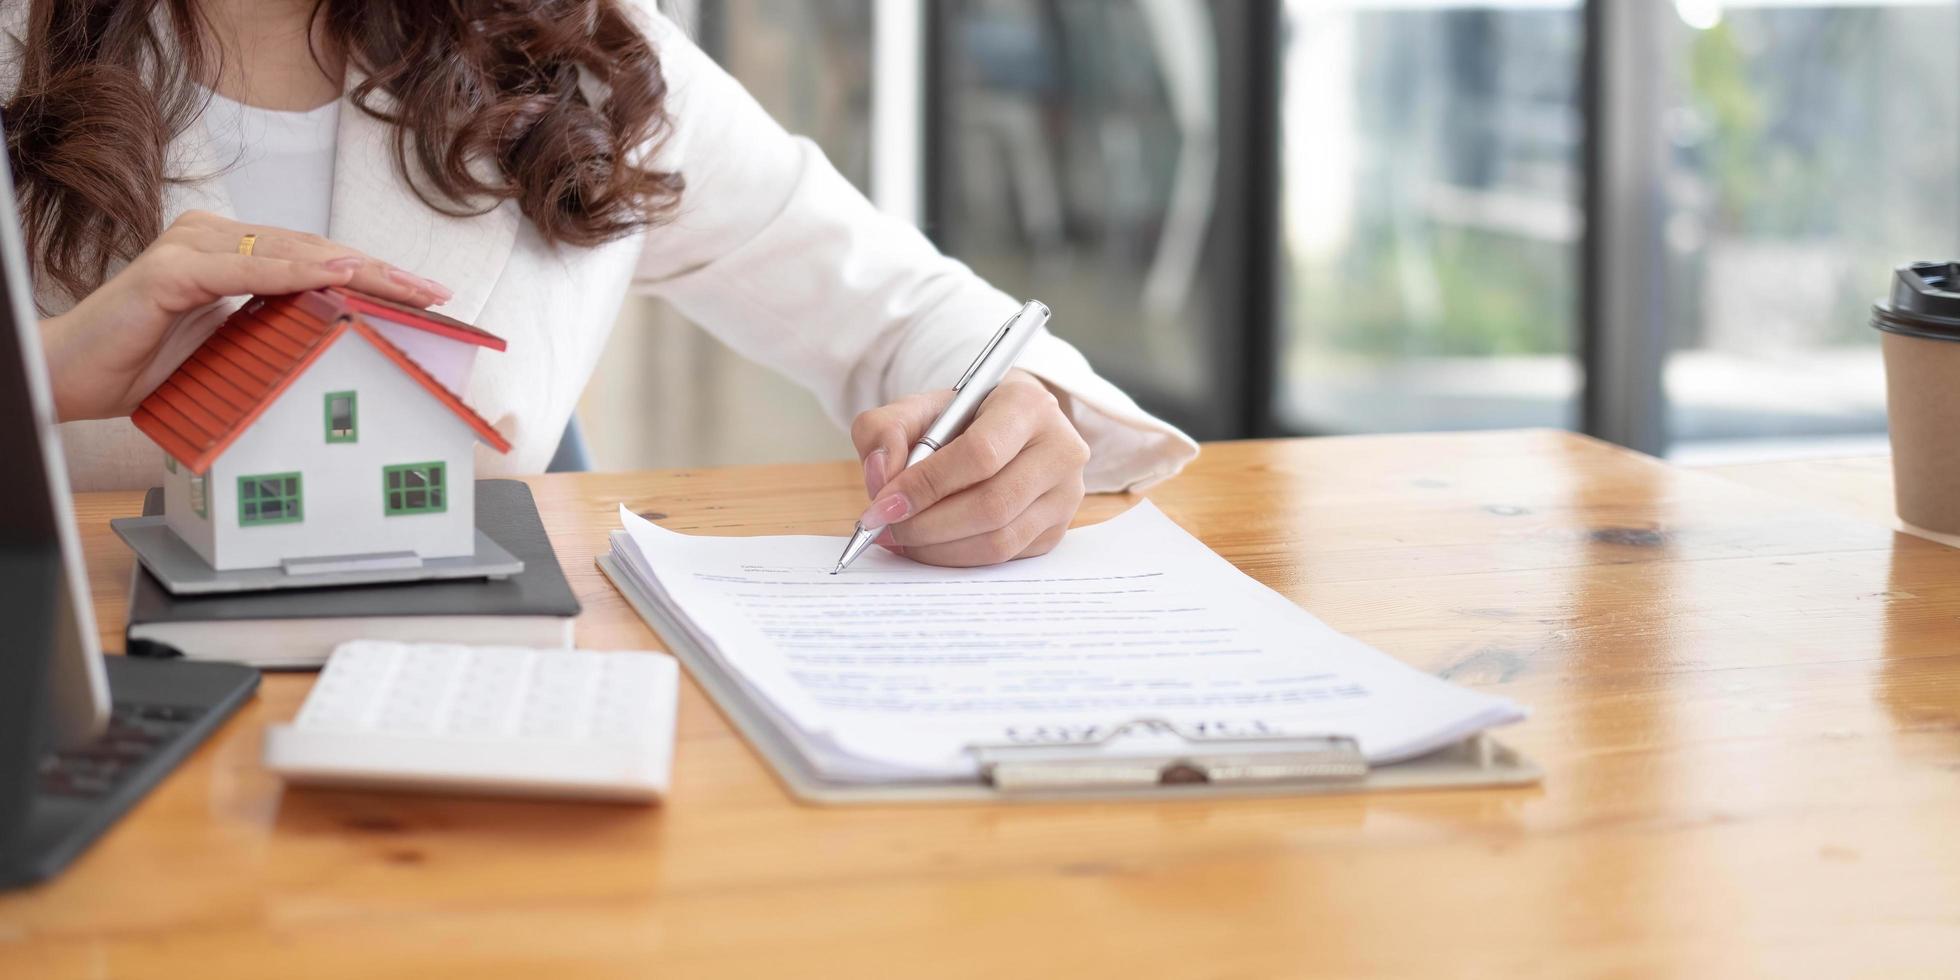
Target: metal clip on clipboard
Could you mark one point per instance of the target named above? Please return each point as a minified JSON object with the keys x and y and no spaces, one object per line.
{"x":1106,"y":761}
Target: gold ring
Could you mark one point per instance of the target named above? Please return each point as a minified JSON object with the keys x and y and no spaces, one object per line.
{"x":245,"y":244}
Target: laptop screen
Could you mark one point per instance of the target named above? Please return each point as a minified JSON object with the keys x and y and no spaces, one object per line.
{"x":40,"y":552}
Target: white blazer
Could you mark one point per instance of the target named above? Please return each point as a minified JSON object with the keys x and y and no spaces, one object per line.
{"x":773,"y":252}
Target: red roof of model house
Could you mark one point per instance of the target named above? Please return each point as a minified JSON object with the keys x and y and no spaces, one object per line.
{"x":235,"y":376}
{"x":428,"y":320}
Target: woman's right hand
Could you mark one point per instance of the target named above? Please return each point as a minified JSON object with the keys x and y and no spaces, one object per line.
{"x":122,"y":340}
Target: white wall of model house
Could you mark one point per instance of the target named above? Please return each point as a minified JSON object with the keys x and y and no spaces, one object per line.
{"x":343,"y":506}
{"x":447,"y":360}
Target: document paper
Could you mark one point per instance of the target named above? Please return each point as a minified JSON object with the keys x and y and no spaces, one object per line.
{"x":894,"y":669}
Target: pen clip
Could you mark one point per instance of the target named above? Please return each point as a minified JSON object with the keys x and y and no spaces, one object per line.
{"x":986,"y":351}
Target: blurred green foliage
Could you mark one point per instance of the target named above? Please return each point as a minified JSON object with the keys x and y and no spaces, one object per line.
{"x":1795,"y":131}
{"x":1454,"y":291}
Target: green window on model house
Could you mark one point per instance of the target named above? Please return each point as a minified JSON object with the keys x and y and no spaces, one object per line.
{"x":342,"y":423}
{"x":273,"y":498}
{"x":414,"y":488}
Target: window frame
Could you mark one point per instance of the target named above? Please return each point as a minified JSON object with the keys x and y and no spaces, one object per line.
{"x":298,"y":497}
{"x":200,"y":491}
{"x":439,"y":486}
{"x":353,"y":416}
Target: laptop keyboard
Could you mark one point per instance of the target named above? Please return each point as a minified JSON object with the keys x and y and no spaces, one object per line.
{"x":135,"y":732}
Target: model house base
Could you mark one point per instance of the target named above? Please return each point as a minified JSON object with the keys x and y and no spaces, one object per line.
{"x":182,"y":571}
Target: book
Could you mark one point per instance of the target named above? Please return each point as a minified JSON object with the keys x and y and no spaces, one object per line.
{"x":298,"y":628}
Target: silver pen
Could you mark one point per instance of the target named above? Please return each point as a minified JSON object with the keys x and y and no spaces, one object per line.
{"x":973,"y":388}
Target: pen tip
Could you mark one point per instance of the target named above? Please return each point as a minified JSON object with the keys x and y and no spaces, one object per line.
{"x":839,"y":568}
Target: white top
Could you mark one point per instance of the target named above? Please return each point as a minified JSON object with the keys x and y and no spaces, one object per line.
{"x":772,"y":251}
{"x":279,"y":164}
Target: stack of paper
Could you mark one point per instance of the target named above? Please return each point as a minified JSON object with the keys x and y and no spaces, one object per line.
{"x":894,"y":670}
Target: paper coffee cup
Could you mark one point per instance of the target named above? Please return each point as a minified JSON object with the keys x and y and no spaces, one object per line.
{"x":1921,"y":343}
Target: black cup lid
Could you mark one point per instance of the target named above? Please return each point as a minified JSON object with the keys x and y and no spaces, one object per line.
{"x":1925,"y":302}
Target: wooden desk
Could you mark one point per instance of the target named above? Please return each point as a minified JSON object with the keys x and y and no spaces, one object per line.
{"x":1748,"y":709}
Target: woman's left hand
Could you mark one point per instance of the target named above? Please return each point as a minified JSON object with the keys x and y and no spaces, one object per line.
{"x":1005,"y":488}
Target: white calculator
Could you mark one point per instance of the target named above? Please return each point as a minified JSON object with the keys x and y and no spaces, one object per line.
{"x":499,"y":720}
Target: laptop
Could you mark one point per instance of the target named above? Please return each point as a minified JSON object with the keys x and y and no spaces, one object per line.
{"x":82,"y":736}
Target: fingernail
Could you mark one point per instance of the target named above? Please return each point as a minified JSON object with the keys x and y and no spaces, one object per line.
{"x":886,"y":511}
{"x":346,"y":263}
{"x":874,"y":473}
{"x":402,"y":277}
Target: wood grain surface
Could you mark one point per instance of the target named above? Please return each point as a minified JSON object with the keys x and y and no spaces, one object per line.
{"x":1747,"y":705}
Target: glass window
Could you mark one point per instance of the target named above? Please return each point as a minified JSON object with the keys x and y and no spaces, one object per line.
{"x":1431,"y":215}
{"x":273,"y":498}
{"x":1079,"y":162}
{"x":1813,"y":151}
{"x":341,"y":416}
{"x":414,"y":488}
{"x":809,"y":64}
{"x":169,"y":463}
{"x":200,"y":505}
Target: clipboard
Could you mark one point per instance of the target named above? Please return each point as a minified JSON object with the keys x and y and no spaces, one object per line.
{"x":1194,"y":766}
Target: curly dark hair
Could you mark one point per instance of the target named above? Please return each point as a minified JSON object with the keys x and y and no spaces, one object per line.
{"x":107,"y":84}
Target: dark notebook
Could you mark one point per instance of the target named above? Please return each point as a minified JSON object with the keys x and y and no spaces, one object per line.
{"x":299,"y":627}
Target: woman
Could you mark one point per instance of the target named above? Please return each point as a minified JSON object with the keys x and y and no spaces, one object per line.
{"x":521,"y":166}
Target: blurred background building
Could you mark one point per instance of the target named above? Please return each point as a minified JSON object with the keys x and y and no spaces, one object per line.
{"x":1660,"y":221}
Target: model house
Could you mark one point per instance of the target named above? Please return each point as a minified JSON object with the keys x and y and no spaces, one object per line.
{"x":323,"y":429}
